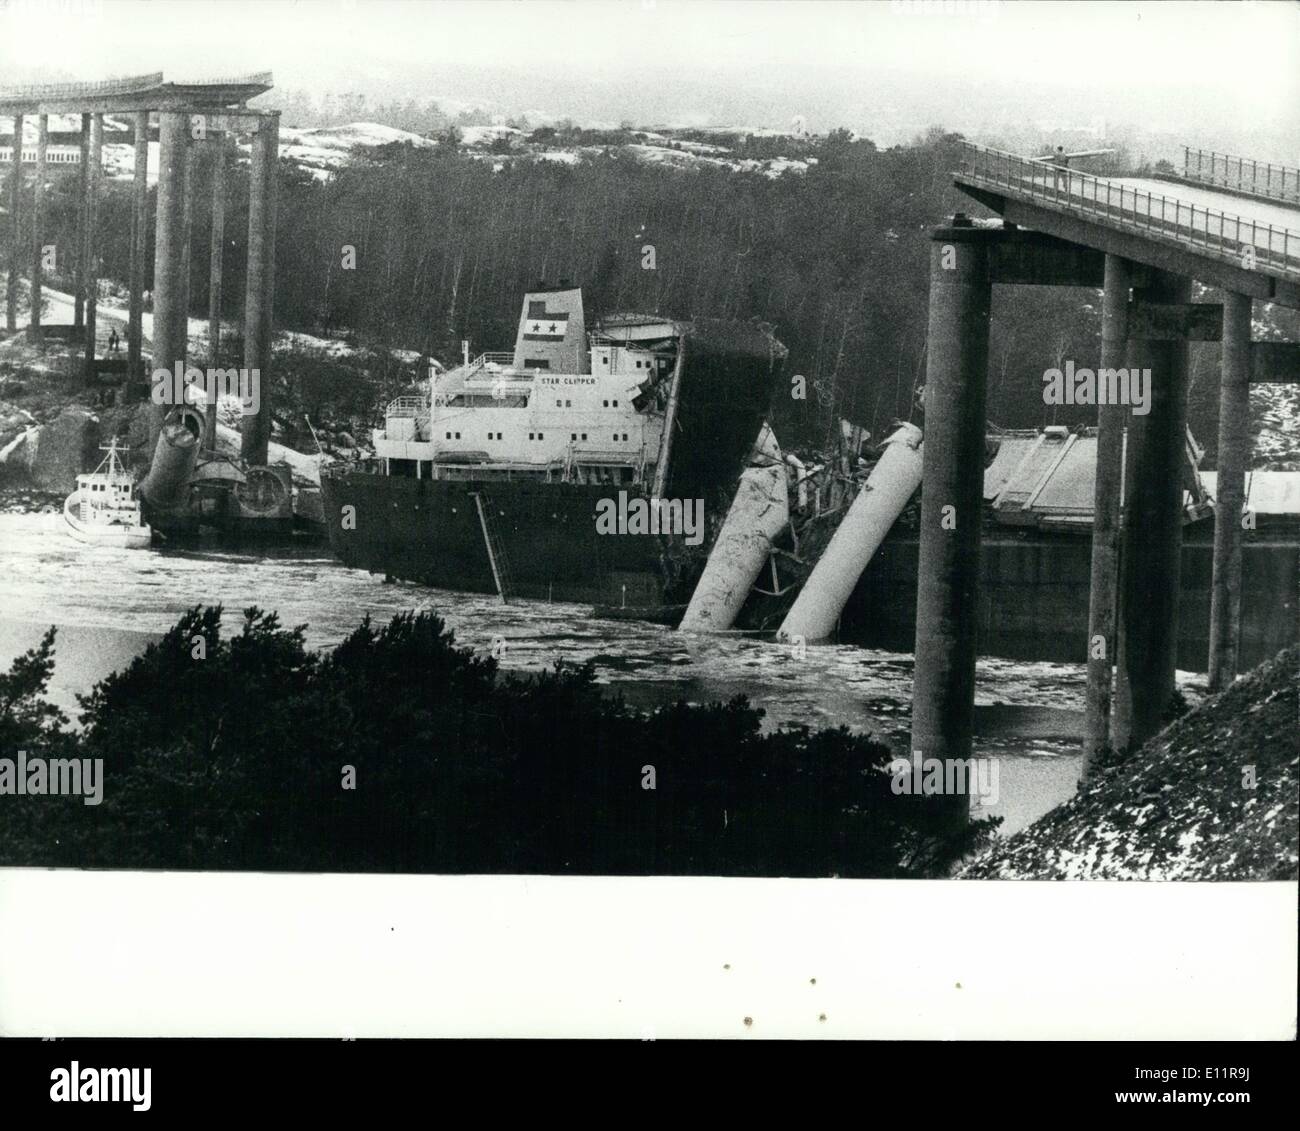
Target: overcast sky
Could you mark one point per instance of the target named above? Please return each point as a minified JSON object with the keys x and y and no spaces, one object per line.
{"x":1167,"y":65}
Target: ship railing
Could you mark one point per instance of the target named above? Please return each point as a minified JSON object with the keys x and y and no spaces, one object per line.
{"x":417,"y":407}
{"x":496,"y":358}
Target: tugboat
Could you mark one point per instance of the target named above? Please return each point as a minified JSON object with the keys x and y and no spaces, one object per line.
{"x":103,"y":510}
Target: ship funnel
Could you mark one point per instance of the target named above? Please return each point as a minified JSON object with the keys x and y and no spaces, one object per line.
{"x":552,"y":332}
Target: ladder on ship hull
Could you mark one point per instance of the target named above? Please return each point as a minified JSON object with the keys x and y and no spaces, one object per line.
{"x":495,"y":551}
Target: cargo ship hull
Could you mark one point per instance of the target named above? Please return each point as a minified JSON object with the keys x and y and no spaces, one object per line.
{"x":544,"y":536}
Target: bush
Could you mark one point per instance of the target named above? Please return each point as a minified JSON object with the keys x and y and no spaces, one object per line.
{"x":233,"y":752}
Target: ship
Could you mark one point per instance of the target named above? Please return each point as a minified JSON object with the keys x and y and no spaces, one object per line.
{"x":494,"y":475}
{"x":103,"y":509}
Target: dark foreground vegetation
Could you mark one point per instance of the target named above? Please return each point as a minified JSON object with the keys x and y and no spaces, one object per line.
{"x":233,"y":752}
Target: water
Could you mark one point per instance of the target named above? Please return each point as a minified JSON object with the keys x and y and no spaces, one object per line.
{"x":109,"y":604}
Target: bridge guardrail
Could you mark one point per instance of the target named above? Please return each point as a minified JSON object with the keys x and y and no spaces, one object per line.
{"x":1226,"y":170}
{"x":1245,"y":243}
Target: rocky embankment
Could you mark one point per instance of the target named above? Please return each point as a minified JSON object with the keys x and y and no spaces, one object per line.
{"x":1212,"y":797}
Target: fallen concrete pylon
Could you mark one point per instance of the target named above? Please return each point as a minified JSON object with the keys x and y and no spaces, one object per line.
{"x":758,"y":514}
{"x":892,"y":481}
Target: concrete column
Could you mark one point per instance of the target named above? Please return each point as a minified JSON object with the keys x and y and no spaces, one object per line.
{"x":139,"y":243}
{"x":169,"y":322}
{"x":187,"y":215}
{"x":90,"y":242}
{"x":255,"y":429}
{"x":15,"y":226}
{"x":1111,"y":421}
{"x":943,"y":695}
{"x":79,"y":268}
{"x":38,"y":212}
{"x":216,"y":249}
{"x":1234,"y":460}
{"x":1151,"y":543}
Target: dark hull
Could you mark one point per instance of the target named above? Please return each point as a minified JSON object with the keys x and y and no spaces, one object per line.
{"x":429,"y":531}
{"x":1033,"y":601}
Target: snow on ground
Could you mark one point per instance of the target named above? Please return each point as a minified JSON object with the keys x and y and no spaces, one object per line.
{"x":331,"y":347}
{"x":1212,"y":797}
{"x":485,"y":135}
{"x":687,"y":155}
{"x":110,"y":311}
{"x":325,"y":150}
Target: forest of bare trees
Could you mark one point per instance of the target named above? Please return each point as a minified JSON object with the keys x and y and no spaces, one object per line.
{"x":422,"y":247}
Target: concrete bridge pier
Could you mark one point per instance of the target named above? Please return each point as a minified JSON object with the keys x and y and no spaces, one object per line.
{"x":38,"y":221}
{"x":1234,"y":460}
{"x":170,"y":336}
{"x":1104,"y":583}
{"x":216,"y":250}
{"x":139,"y":245}
{"x":192,"y":152}
{"x":79,"y":256}
{"x":1151,"y":543}
{"x":89,"y":241}
{"x":15,"y":226}
{"x":255,"y":428}
{"x":943,"y":698}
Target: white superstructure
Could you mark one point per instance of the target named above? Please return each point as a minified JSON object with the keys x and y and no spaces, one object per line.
{"x":560,"y":407}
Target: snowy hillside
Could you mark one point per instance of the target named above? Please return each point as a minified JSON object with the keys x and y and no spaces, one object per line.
{"x":1212,"y":797}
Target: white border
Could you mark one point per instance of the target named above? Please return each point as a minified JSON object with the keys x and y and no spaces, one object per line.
{"x":219,"y":954}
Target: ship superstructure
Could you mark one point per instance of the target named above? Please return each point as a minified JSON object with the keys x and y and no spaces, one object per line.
{"x":559,"y":408}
